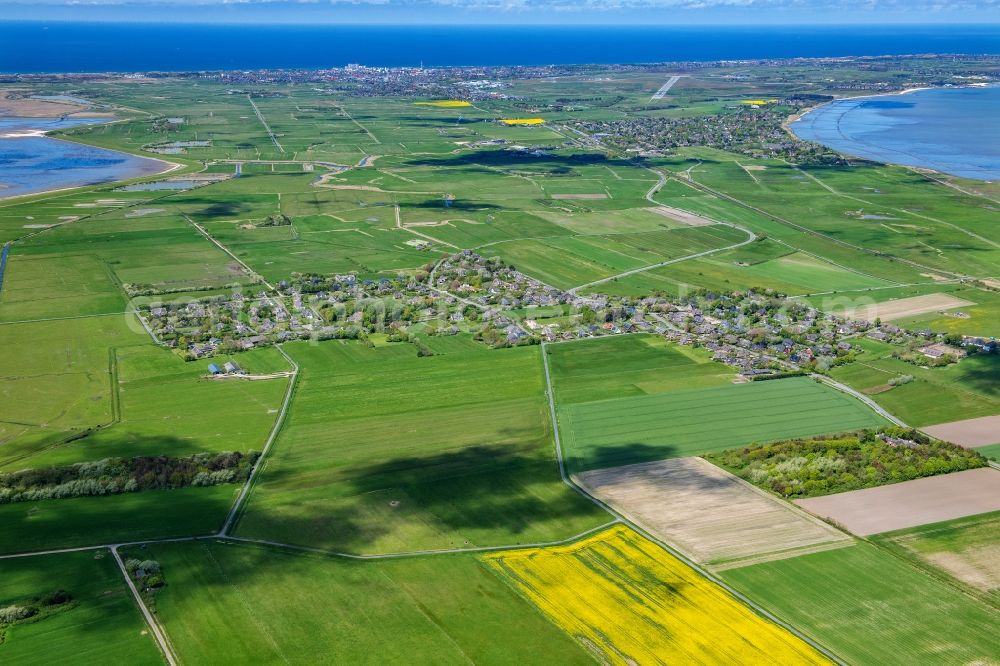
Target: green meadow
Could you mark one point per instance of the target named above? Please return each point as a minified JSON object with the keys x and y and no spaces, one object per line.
{"x":628,"y":399}
{"x":145,"y":401}
{"x":57,"y":378}
{"x":230,"y":603}
{"x":567,"y":262}
{"x":979,"y":318}
{"x":99,"y":624}
{"x":384,"y":451}
{"x":963,"y":390}
{"x":92,"y":521}
{"x":629,"y":365}
{"x":870,"y":607}
{"x":886,"y":209}
{"x":992,"y":451}
{"x":963,"y":550}
{"x":621,"y":431}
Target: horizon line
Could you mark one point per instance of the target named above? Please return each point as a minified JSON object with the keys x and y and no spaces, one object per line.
{"x":993,"y":24}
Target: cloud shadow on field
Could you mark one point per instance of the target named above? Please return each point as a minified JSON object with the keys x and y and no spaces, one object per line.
{"x":508,"y":488}
{"x":983,"y":375}
{"x":616,"y":455}
{"x":556,"y":162}
{"x":455,"y":204}
{"x":443,"y":121}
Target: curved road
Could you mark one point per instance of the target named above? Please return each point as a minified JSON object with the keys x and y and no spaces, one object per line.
{"x":751,"y":237}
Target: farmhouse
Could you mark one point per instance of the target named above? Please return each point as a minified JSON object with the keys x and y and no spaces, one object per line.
{"x":940,"y":349}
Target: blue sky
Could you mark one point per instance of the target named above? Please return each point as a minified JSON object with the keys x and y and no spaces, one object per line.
{"x":600,"y":12}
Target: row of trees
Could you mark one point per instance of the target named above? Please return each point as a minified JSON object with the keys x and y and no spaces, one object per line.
{"x":112,"y":476}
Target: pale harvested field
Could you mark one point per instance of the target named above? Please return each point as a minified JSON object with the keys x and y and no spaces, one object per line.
{"x":968,"y":549}
{"x":979,"y":567}
{"x":707,"y":513}
{"x":911,"y":503}
{"x":970,"y":432}
{"x":682,"y":216}
{"x":906,"y":307}
{"x":579,"y":196}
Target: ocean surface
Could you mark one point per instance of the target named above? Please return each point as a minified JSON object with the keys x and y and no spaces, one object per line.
{"x":953,"y":130}
{"x":109,"y":47}
{"x":40,"y":163}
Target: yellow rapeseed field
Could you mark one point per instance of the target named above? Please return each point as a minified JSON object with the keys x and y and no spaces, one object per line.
{"x":446,"y":103}
{"x":630,"y":602}
{"x":522,"y":121}
{"x":759,"y":102}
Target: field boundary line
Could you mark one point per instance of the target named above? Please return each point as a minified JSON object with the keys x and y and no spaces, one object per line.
{"x":255,"y":471}
{"x":116,"y":399}
{"x":851,"y":197}
{"x":838,"y":265}
{"x":893,"y":547}
{"x":751,"y":237}
{"x":263,"y":122}
{"x":154,"y":626}
{"x":417,"y":553}
{"x":759,"y":610}
{"x":866,"y":289}
{"x":694,"y":184}
{"x":362,"y":127}
{"x":777,"y":556}
{"x":400,"y":225}
{"x":225,"y":249}
{"x":941,"y":181}
{"x":43,"y":319}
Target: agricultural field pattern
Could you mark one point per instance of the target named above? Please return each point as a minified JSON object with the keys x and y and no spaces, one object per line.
{"x":476,"y":368}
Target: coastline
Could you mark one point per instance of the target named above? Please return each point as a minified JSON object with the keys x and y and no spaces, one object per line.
{"x":795,"y":117}
{"x":168,"y":166}
{"x":918,"y":168}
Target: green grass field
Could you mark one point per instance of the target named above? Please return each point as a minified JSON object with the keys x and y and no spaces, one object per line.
{"x":923,"y":219}
{"x":870,"y":607}
{"x":57,"y":378}
{"x":621,"y":431}
{"x":631,"y":399}
{"x":979,"y":319}
{"x":785,"y":270}
{"x":231,"y":604}
{"x":992,"y":451}
{"x":58,"y":285}
{"x":632,"y":365}
{"x":164,"y":407}
{"x":383,"y":451}
{"x":91,"y":521}
{"x":568,"y":262}
{"x":99,"y":625}
{"x":965,"y":390}
{"x":964,"y":549}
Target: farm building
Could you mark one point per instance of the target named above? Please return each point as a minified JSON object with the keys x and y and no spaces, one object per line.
{"x":214,"y":369}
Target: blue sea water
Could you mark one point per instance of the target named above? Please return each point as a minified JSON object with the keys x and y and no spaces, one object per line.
{"x":37,"y":164}
{"x":110,"y":47}
{"x":953,"y":130}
